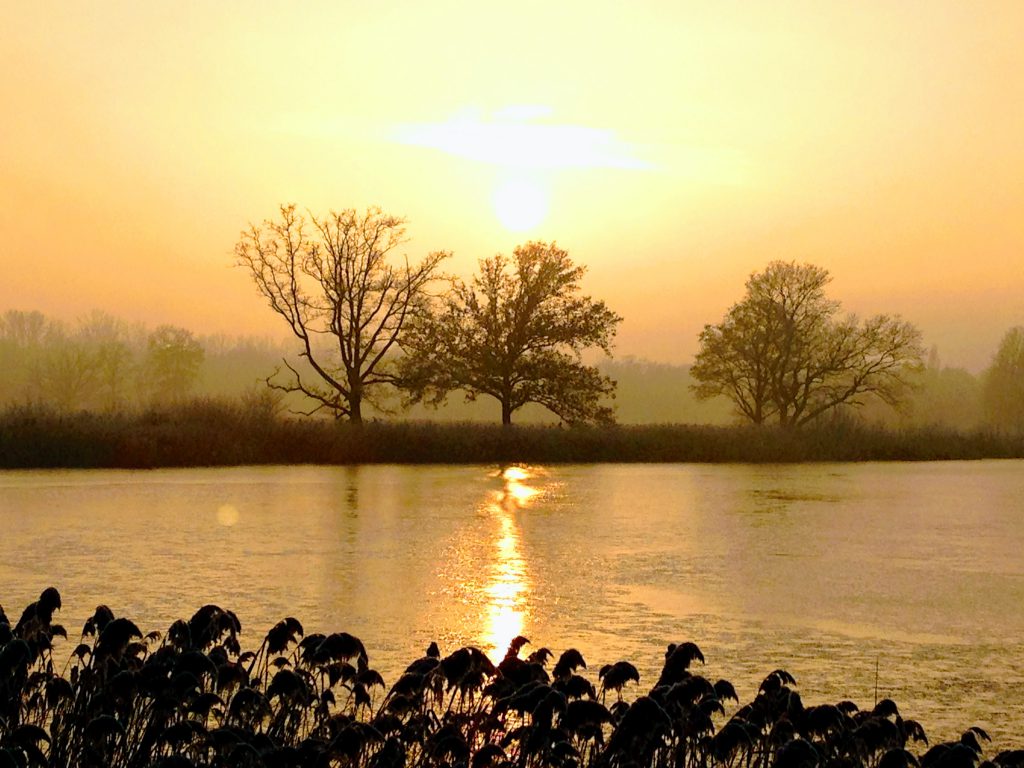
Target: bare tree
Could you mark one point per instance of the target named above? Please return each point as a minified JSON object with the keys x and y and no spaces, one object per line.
{"x":515,"y":333}
{"x":347,"y":305}
{"x":66,"y":374}
{"x":23,"y":329}
{"x":46,"y":362}
{"x":108,"y":337}
{"x":22,"y":338}
{"x":782,"y":354}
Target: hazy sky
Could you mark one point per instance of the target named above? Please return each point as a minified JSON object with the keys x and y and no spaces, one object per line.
{"x":672,"y":147}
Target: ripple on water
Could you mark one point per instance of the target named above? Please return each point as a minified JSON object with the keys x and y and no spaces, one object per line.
{"x":831,"y":572}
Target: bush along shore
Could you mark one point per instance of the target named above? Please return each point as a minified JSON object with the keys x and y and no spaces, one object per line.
{"x":193,"y":697}
{"x":214,"y":433}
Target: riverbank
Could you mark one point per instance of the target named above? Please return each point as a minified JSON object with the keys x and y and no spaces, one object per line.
{"x":219,"y":434}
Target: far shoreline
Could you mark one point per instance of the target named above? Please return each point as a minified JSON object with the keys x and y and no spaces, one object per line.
{"x":214,"y":434}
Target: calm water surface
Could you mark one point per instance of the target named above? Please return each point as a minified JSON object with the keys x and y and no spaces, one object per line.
{"x":833,"y":572}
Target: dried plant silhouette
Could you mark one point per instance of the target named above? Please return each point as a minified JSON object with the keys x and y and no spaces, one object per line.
{"x":193,"y":697}
{"x":218,"y":433}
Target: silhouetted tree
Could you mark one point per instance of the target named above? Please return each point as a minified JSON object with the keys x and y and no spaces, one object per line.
{"x":67,"y":372}
{"x":23,"y":329}
{"x":43,"y":362}
{"x":88,"y":366}
{"x":1004,"y":382}
{"x":334,"y":282}
{"x":516,"y":333}
{"x":781,"y":353}
{"x":22,"y":339}
{"x":171,"y":366}
{"x":109,"y":340}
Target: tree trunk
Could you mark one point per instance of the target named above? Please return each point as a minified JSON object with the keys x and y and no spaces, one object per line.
{"x":506,"y":413}
{"x":355,"y":406}
{"x":355,"y":398}
{"x":784,"y":419}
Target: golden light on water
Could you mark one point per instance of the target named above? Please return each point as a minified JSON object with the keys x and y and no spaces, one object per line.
{"x":516,"y":492}
{"x":227,"y":515}
{"x":514,"y":474}
{"x":507,"y":590}
{"x":508,"y":586}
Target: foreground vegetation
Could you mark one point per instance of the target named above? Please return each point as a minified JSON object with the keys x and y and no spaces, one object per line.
{"x":193,"y":697}
{"x":212,"y":433}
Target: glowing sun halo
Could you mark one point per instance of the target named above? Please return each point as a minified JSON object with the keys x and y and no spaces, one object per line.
{"x":522,"y":140}
{"x":520,"y":204}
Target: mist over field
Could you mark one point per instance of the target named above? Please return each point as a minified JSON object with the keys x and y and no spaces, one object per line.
{"x":103,"y":364}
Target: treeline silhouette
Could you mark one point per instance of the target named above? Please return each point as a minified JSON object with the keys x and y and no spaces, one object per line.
{"x":192,"y":696}
{"x":102,"y":364}
{"x":225,"y":433}
{"x":104,"y":393}
{"x":105,"y":365}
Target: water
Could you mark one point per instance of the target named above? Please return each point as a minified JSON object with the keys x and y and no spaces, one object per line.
{"x":908,"y":577}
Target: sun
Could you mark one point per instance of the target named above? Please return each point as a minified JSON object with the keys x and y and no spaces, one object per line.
{"x":528,"y":148}
{"x":520,"y":204}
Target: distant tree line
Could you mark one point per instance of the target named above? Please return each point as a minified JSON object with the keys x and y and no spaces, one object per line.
{"x":377,"y":335}
{"x":233,"y":368}
{"x":103,"y":364}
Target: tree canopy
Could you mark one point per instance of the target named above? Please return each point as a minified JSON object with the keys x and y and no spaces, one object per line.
{"x":516,"y":333}
{"x":1003,"y":392}
{"x":173,"y":358}
{"x":346,"y":303}
{"x":783,"y":353}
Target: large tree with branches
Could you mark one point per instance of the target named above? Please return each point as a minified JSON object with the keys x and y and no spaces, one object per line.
{"x":783,"y":354}
{"x":515,"y":333}
{"x":333,"y":281}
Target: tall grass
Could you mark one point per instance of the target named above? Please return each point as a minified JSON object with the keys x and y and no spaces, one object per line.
{"x":191,"y":697}
{"x":220,"y":433}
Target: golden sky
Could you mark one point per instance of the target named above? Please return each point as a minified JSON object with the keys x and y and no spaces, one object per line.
{"x":672,"y":147}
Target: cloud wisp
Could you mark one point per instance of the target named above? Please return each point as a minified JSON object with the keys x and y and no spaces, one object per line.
{"x":515,"y":137}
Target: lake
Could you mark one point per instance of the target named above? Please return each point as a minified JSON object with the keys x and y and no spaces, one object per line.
{"x":862,"y":580}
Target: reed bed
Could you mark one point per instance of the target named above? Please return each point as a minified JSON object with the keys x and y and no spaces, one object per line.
{"x":192,"y":696}
{"x":222,"y":433}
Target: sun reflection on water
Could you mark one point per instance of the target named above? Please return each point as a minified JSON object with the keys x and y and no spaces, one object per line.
{"x":508,"y":585}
